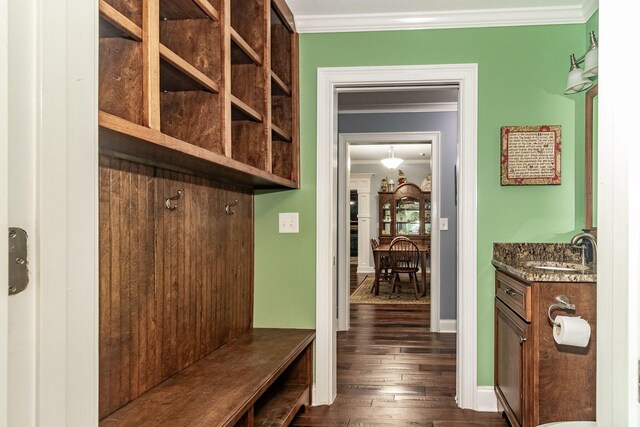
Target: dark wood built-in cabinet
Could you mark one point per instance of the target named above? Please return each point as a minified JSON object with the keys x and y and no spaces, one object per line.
{"x":198,"y":107}
{"x":536,"y":380}
{"x":404,"y":212}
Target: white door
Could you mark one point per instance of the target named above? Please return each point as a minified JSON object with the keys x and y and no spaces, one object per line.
{"x":3,"y":212}
{"x":48,"y":187}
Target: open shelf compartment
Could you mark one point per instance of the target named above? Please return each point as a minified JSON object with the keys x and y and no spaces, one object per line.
{"x":247,"y":18}
{"x":194,"y":117}
{"x":131,"y":9}
{"x":120,"y":84}
{"x":281,"y":41}
{"x":197,"y":42}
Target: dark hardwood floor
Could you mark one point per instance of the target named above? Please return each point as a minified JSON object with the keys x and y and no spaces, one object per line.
{"x":393,"y":372}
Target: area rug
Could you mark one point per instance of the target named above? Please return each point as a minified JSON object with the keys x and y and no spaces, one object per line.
{"x":362,"y":294}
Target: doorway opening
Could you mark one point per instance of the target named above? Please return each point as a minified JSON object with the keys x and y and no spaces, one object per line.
{"x":330,"y":81}
{"x":360,"y":170}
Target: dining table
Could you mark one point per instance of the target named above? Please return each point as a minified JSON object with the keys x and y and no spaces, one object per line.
{"x":383,"y":249}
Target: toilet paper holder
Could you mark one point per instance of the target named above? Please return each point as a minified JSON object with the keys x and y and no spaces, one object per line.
{"x":563,"y":303}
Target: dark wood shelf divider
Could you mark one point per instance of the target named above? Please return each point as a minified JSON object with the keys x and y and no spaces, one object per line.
{"x":118,"y":20}
{"x":188,"y":9}
{"x":282,"y":135}
{"x":188,"y":70}
{"x":244,"y":47}
{"x":280,"y":84}
{"x":249,"y":113}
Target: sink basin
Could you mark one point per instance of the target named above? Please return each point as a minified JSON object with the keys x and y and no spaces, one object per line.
{"x":558,"y":266}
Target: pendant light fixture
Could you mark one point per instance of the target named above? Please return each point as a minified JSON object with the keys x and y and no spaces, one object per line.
{"x":391,"y":162}
{"x":577,"y":79}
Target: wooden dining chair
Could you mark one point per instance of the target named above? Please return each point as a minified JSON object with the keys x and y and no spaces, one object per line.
{"x":385,"y":265}
{"x":404,"y":256}
{"x":395,"y":239}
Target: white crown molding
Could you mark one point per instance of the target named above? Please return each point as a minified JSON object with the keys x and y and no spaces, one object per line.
{"x":449,"y":19}
{"x":589,"y":8}
{"x":377,"y":162}
{"x":434,"y":107}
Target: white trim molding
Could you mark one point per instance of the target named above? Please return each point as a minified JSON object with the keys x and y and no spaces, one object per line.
{"x":416,"y":20}
{"x":434,"y":107}
{"x":448,"y":326}
{"x":4,"y":211}
{"x":330,"y":81}
{"x":345,"y":140}
{"x":486,"y":400}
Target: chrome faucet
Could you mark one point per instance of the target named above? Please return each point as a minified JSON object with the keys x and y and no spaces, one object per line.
{"x":580,"y":240}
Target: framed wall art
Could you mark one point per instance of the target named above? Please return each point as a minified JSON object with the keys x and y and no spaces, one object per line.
{"x":530,"y":155}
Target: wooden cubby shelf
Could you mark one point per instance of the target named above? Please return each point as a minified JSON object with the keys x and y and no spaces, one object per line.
{"x":183,"y":77}
{"x":121,"y":23}
{"x":279,"y":87}
{"x":281,"y":134}
{"x":130,"y":9}
{"x":121,"y":138}
{"x":177,"y":82}
{"x":244,"y":47}
{"x":188,"y":9}
{"x":241,"y":111}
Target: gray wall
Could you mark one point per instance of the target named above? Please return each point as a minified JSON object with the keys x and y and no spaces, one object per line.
{"x":447,"y":124}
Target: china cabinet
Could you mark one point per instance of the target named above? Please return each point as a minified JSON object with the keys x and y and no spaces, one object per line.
{"x":404,"y":212}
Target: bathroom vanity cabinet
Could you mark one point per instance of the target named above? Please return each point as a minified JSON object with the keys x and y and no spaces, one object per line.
{"x":536,"y":380}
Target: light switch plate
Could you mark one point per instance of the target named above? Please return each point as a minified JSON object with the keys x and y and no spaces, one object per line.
{"x":288,"y":222}
{"x":444,"y":223}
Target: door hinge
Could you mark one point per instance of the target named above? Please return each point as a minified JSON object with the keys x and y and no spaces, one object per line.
{"x":18,"y":268}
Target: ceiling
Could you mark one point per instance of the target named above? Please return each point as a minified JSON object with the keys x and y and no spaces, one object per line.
{"x":363,"y":15}
{"x":376,"y":152}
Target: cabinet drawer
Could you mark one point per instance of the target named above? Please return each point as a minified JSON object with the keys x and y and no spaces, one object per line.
{"x":515,"y":294}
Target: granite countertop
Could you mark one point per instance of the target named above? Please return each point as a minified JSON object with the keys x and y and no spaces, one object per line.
{"x":518,"y":259}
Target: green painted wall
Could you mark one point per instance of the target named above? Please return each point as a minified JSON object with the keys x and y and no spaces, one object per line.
{"x":521,"y":73}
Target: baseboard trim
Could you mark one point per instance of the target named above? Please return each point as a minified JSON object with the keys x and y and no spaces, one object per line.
{"x":486,"y":400}
{"x":365,"y":270}
{"x":448,"y":326}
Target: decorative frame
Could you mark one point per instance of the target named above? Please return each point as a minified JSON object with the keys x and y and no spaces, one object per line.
{"x":530,"y":155}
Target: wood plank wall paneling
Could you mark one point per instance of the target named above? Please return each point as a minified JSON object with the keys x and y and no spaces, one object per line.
{"x":174,"y":285}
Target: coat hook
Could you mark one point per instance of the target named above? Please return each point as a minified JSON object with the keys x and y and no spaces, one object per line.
{"x":229,"y":208}
{"x":173,"y":206}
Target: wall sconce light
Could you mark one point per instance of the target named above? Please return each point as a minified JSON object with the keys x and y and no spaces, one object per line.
{"x":578,"y":79}
{"x":392,"y":161}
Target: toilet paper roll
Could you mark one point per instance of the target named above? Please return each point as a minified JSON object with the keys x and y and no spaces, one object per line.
{"x":573,"y":331}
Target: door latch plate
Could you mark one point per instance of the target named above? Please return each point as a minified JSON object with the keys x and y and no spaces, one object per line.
{"x":18,"y":268}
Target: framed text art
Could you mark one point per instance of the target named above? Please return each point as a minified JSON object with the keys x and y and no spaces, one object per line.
{"x":530,"y":155}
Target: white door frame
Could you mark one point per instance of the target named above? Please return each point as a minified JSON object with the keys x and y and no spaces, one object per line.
{"x":345,"y":140}
{"x":67,"y":214}
{"x":329,"y":81}
{"x":4,"y":224}
{"x":361,"y":182}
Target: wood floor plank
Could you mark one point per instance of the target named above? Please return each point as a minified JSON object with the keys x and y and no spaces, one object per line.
{"x":393,"y":372}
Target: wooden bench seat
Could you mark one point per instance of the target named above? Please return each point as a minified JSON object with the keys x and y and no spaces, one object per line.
{"x":262,"y":378}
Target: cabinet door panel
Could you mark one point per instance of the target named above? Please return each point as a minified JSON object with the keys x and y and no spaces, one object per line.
{"x":511,"y":333}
